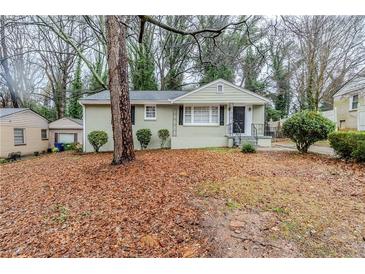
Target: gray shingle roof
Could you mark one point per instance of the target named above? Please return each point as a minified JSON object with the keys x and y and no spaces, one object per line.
{"x":145,"y":95}
{"x":355,"y":85}
{"x":8,"y":111}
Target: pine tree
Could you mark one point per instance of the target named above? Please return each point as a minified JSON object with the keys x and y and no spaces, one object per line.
{"x":143,"y":69}
{"x":74,"y":108}
{"x":212,"y":72}
{"x":94,"y":84}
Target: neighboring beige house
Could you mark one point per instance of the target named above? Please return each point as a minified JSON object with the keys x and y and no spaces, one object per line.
{"x":214,"y":115}
{"x":66,"y":130}
{"x":349,"y":105}
{"x":22,"y":130}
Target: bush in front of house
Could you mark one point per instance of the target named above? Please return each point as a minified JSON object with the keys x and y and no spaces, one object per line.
{"x":97,"y":139}
{"x":348,"y":144}
{"x":248,"y":148}
{"x":163,"y":134}
{"x":307,"y":127}
{"x":54,"y":150}
{"x":77,"y":147}
{"x":144,"y":137}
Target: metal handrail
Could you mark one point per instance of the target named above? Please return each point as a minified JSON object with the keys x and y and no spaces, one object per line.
{"x":254,"y":133}
{"x":230,"y":132}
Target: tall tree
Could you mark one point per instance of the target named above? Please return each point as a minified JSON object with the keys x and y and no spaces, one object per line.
{"x":74,"y":108}
{"x":329,"y":50}
{"x":142,"y":68}
{"x":119,"y":90}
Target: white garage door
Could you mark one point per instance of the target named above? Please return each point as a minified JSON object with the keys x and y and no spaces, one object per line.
{"x":65,"y":138}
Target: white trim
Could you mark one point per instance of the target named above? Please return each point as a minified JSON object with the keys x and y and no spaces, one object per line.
{"x":150,"y":118}
{"x":84,"y":128}
{"x":24,"y":139}
{"x":352,"y":100}
{"x":201,"y":124}
{"x":220,"y":92}
{"x":225,"y":82}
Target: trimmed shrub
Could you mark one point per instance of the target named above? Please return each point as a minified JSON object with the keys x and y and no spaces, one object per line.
{"x":348,"y":144}
{"x":307,"y":127}
{"x":97,"y":139}
{"x":359,"y":153}
{"x":144,"y":137}
{"x":248,"y":148}
{"x":163,"y":134}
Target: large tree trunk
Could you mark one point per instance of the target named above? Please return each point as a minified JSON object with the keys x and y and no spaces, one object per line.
{"x":119,"y":93}
{"x":4,"y":62}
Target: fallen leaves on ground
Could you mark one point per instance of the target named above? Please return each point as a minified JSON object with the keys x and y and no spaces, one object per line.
{"x":65,"y":205}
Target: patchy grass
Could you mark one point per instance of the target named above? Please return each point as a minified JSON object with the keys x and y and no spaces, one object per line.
{"x":66,"y":205}
{"x":321,"y":221}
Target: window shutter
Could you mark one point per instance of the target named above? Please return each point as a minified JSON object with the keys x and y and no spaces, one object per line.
{"x":133,"y":114}
{"x":56,"y":137}
{"x":181,"y":115}
{"x":221,"y":115}
{"x":75,"y":137}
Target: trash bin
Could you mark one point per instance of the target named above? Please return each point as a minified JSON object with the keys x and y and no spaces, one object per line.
{"x":59,"y":146}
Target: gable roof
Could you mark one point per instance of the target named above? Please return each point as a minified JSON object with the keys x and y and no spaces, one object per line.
{"x":355,"y":85}
{"x":220,"y":80}
{"x":163,"y":96}
{"x":137,"y":95}
{"x":66,"y":123}
{"x":9,"y":111}
{"x":4,"y":112}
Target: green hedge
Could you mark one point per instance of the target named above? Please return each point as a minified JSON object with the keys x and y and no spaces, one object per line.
{"x":348,"y":144}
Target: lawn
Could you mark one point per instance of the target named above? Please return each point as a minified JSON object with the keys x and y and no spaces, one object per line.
{"x":183,"y":203}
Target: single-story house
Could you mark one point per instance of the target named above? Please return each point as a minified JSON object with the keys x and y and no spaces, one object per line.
{"x":349,"y":105}
{"x":66,"y":130}
{"x":214,"y":115}
{"x":22,"y":130}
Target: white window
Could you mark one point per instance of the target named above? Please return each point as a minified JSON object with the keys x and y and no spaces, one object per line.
{"x":354,"y":102}
{"x":201,"y":115}
{"x":44,"y":134}
{"x":150,"y":112}
{"x":188,"y":115}
{"x":214,"y":115}
{"x":220,"y":88}
{"x":19,"y":136}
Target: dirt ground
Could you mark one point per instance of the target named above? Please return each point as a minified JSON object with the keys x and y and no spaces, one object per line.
{"x":183,"y":203}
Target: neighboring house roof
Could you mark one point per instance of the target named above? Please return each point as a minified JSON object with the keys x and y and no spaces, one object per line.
{"x":66,"y":123}
{"x":4,"y":112}
{"x":355,"y":85}
{"x":164,"y":96}
{"x":9,"y":111}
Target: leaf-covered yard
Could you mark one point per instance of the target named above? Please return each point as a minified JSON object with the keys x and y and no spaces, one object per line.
{"x":182,"y":203}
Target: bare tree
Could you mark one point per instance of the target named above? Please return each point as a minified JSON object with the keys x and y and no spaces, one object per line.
{"x":330,"y":49}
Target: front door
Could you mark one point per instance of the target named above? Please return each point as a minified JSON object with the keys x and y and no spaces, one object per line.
{"x":238,"y":119}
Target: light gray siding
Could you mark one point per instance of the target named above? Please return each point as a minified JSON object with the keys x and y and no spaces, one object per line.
{"x":98,"y":117}
{"x":209,"y":95}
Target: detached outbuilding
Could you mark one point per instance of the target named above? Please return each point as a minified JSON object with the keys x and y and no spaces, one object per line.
{"x":22,"y":130}
{"x":65,"y":130}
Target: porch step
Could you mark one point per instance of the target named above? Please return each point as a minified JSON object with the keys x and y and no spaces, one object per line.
{"x":239,"y":140}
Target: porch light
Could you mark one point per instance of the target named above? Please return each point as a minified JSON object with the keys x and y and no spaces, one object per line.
{"x":249,"y":108}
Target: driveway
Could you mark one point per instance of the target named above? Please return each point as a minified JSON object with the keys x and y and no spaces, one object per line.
{"x":290,"y":146}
